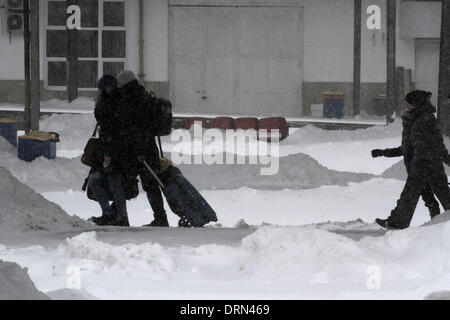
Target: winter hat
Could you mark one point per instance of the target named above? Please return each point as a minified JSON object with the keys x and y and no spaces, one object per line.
{"x":107,"y":83}
{"x":125,"y":77}
{"x":418,"y":98}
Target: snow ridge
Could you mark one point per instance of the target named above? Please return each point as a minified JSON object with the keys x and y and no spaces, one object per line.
{"x":24,"y":210}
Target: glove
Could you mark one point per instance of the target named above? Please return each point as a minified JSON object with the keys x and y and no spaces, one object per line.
{"x":377,"y":153}
{"x":107,"y":167}
{"x":141,"y":158}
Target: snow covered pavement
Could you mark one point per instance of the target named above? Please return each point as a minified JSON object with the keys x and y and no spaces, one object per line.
{"x":270,"y":263}
{"x":367,"y":201}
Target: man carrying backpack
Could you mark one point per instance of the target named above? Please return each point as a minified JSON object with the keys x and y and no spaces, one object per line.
{"x":143,"y":127}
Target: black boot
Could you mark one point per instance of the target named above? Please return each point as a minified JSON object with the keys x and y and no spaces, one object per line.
{"x":159,"y":221}
{"x":120,"y":222}
{"x":434,"y":212}
{"x":108,"y":215}
{"x":385,"y":224}
{"x":104,"y":220}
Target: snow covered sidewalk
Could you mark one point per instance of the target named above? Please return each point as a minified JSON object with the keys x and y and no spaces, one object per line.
{"x":287,"y":207}
{"x":270,"y":263}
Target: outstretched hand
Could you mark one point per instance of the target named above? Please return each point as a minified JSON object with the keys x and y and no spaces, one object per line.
{"x":377,"y":153}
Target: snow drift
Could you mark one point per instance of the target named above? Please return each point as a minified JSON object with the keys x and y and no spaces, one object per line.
{"x":398,"y":171}
{"x":43,"y":172}
{"x":24,"y":210}
{"x":74,"y":129}
{"x":299,"y":255}
{"x":15,"y":284}
{"x":296,"y":171}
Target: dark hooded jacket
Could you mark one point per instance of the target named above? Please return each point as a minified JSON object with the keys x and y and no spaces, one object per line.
{"x":425,"y":136}
{"x":141,"y":124}
{"x":114,"y":139}
{"x":405,"y":149}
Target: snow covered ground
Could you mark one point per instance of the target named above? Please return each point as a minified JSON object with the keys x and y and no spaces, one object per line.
{"x":270,"y":263}
{"x":306,"y":232}
{"x":367,"y":200}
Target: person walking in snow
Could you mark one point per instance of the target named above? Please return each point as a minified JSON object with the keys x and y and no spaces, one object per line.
{"x":112,"y":144}
{"x":426,"y":166}
{"x":142,"y":130}
{"x":406,"y":152}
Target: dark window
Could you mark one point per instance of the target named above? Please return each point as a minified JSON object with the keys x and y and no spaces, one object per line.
{"x":113,"y":44}
{"x":57,"y":73}
{"x":56,"y":13}
{"x":88,"y":71}
{"x":89,"y":13}
{"x":113,"y":14}
{"x":56,"y":43}
{"x":92,"y":58}
{"x":88,"y":44}
{"x":113,"y":68}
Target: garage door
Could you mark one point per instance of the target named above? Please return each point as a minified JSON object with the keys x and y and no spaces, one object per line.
{"x":236,"y":60}
{"x":427,"y":67}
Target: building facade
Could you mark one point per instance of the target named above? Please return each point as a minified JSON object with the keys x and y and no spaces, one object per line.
{"x":251,"y":57}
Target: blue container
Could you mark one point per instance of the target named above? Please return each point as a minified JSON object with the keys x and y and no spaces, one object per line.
{"x":333,"y":104}
{"x":30,"y":149}
{"x":8,"y":130}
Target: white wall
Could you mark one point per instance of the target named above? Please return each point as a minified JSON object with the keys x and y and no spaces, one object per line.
{"x":373,"y":45}
{"x":406,"y":47}
{"x":11,"y":53}
{"x":420,"y":19}
{"x":328,"y":41}
{"x":156,"y":39}
{"x":132,"y":7}
{"x":11,"y":57}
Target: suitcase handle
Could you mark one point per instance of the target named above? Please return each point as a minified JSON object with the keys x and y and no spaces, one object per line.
{"x":160,"y":147}
{"x":153,"y":174}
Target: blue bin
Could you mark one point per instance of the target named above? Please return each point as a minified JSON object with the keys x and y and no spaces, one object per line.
{"x":333,"y":104}
{"x":8,"y":130}
{"x":32,"y":146}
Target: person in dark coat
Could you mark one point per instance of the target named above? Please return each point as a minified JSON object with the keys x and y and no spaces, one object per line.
{"x":406,"y":152}
{"x":112,"y":144}
{"x":142,"y":130}
{"x":428,"y":155}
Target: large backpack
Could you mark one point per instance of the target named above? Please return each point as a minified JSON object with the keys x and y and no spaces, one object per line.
{"x":161,"y":112}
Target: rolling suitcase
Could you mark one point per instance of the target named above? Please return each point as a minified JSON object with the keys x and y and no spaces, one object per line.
{"x":183,"y":199}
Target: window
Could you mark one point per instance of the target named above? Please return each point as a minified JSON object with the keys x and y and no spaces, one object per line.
{"x":101,"y":42}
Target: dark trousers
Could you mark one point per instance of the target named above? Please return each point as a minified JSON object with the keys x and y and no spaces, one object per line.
{"x":430,"y":201}
{"x":154,"y":195}
{"x":430,"y":174}
{"x":101,"y":195}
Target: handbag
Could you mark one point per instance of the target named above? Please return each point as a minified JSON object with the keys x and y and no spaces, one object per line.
{"x":92,"y":155}
{"x":129,"y":185}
